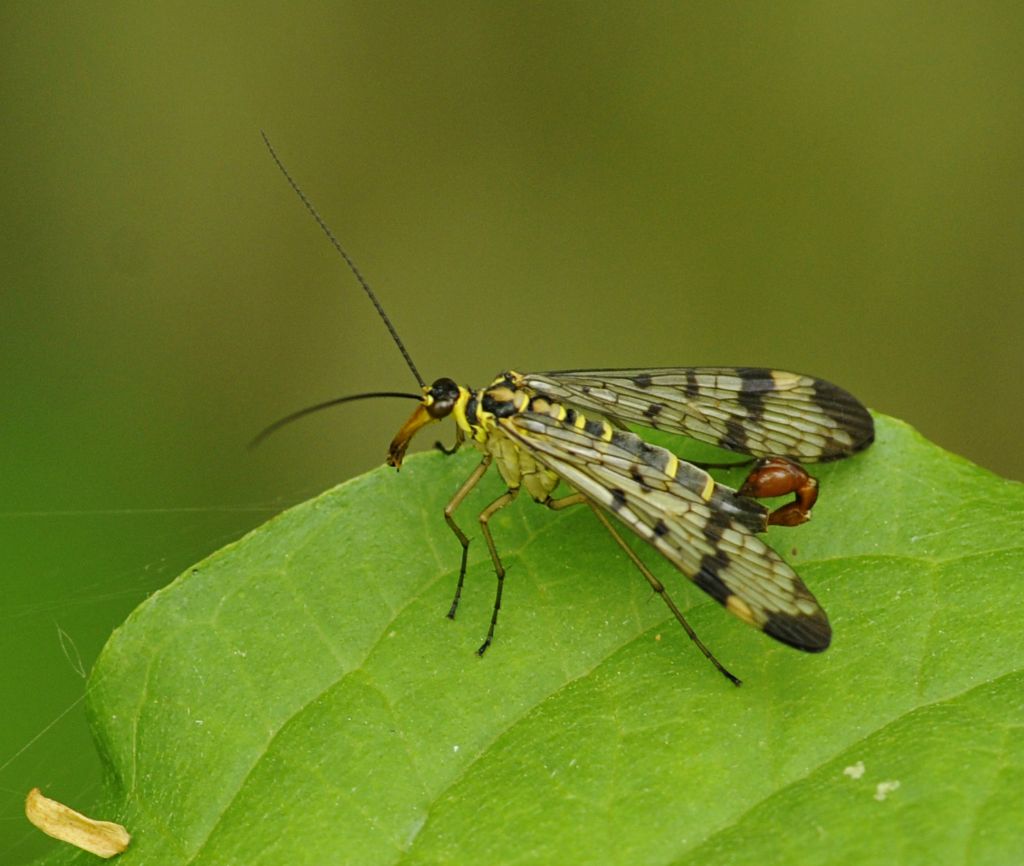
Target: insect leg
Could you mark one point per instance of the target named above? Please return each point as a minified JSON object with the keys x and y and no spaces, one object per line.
{"x":659,"y":588}
{"x":565,"y":501}
{"x":449,"y":511}
{"x":778,"y":476}
{"x":499,"y":569}
{"x":459,"y":439}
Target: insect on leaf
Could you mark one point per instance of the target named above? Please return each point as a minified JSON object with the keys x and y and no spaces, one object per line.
{"x":300,"y":696}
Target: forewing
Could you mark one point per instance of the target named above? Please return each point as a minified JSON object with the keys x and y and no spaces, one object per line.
{"x":751,"y":410}
{"x":704,"y":529}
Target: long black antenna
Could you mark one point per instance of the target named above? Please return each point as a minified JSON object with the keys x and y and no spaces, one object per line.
{"x":309,"y":410}
{"x":348,"y":261}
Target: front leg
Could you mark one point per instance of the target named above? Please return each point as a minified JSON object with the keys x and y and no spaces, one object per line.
{"x":460,"y":437}
{"x":449,"y":516}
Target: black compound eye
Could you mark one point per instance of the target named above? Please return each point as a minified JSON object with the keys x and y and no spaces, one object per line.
{"x":443,"y":394}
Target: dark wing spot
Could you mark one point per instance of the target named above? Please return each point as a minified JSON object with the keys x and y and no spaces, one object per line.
{"x":629,"y":443}
{"x":716,"y":524}
{"x":653,"y":410}
{"x":692,"y":387}
{"x":642,"y":380}
{"x":708,"y":580}
{"x":759,"y":379}
{"x":618,"y":498}
{"x":659,"y":458}
{"x":735,"y":436}
{"x":594,"y":428}
{"x":847,"y":411}
{"x":638,"y":477}
{"x":756,"y":383}
{"x":808,"y":633}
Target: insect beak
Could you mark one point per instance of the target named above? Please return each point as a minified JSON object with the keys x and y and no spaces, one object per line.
{"x":396,"y":450}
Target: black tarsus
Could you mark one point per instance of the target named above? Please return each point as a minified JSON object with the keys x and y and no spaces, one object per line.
{"x":444,"y":449}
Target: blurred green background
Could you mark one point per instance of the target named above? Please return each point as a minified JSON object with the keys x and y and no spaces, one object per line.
{"x":831,"y":188}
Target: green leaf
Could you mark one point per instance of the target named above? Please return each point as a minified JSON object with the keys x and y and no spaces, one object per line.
{"x":299,"y":696}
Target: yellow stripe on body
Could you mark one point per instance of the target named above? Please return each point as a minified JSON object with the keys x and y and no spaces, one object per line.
{"x":459,"y":410}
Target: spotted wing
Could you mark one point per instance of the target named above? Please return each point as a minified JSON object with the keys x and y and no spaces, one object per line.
{"x":704,"y":529}
{"x":751,"y":410}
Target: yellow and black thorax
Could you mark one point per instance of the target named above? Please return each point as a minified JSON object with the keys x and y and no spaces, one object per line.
{"x":478,"y":415}
{"x":498,"y":419}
